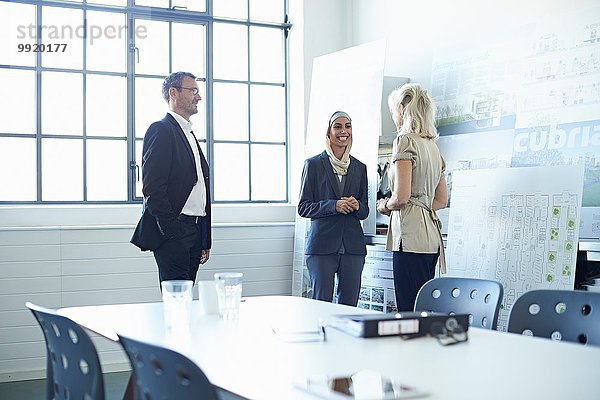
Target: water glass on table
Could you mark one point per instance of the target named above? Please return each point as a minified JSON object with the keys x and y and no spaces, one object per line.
{"x":177,"y":302}
{"x":229,"y":292}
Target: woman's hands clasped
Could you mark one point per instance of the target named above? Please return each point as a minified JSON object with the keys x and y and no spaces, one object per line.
{"x":347,"y":205}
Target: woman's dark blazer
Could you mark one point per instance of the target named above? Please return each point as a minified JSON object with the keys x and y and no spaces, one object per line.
{"x":318,"y":195}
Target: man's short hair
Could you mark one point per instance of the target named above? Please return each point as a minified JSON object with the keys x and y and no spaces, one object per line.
{"x":174,"y":80}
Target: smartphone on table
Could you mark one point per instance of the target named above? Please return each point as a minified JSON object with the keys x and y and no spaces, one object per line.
{"x":363,"y":385}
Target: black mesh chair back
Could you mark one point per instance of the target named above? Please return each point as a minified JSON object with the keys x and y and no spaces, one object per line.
{"x":72,"y":369}
{"x":569,"y":315}
{"x":480,"y":298}
{"x":162,"y":374}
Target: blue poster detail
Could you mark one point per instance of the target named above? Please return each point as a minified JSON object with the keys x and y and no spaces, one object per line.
{"x":573,"y":143}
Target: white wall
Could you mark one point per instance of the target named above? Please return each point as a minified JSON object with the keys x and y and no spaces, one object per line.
{"x":416,"y":30}
{"x":71,"y":256}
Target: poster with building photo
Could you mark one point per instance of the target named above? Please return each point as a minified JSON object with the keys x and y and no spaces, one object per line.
{"x":475,"y":95}
{"x":377,"y":285}
{"x":475,"y":90}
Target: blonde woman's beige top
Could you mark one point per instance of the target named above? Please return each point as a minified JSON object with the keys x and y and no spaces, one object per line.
{"x":416,"y":224}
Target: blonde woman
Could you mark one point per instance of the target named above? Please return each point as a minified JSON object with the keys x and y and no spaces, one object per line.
{"x":418,"y":189}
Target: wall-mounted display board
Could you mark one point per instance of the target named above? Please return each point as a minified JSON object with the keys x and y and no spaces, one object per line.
{"x":532,"y":101}
{"x":517,"y":227}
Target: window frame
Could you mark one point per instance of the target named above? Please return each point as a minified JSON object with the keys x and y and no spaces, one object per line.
{"x":134,"y":12}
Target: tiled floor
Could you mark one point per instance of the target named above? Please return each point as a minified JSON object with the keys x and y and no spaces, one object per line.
{"x":114,"y":385}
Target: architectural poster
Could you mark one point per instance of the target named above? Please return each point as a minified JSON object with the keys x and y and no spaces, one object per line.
{"x":516,"y":226}
{"x":532,"y":101}
{"x":377,"y":281}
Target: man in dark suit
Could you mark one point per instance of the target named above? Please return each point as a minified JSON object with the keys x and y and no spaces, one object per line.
{"x":175,"y":223}
{"x":334,"y":196}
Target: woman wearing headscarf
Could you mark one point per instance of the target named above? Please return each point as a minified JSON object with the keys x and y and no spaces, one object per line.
{"x":418,"y":188}
{"x":334,"y":196}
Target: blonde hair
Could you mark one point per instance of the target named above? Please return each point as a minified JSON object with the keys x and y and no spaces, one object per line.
{"x":418,"y":116}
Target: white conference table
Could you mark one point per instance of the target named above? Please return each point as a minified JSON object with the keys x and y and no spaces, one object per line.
{"x":249,"y":359}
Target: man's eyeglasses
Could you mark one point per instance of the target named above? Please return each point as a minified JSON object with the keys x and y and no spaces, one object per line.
{"x":194,"y":90}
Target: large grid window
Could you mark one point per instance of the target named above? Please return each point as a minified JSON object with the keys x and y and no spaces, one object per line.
{"x":83,"y":83}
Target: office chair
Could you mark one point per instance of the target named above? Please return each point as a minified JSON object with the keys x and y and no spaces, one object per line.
{"x":72,"y":368}
{"x":163,"y":374}
{"x":569,"y":315}
{"x":480,"y":298}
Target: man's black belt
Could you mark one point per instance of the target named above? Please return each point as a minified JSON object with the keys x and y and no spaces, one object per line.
{"x":189,"y":219}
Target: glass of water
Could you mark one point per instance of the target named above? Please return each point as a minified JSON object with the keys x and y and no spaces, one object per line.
{"x":177,"y":300}
{"x":229,"y":292}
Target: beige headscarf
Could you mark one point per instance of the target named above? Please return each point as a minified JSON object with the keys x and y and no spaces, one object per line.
{"x":340,"y":167}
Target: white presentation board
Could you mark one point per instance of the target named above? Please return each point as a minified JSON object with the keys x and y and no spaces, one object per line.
{"x":519,"y":226}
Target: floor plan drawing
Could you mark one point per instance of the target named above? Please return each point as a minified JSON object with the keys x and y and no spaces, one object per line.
{"x":511,"y":226}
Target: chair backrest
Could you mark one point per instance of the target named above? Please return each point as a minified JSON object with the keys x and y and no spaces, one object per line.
{"x":163,"y":374}
{"x":480,"y":298}
{"x":72,"y":369}
{"x":570,"y":315}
